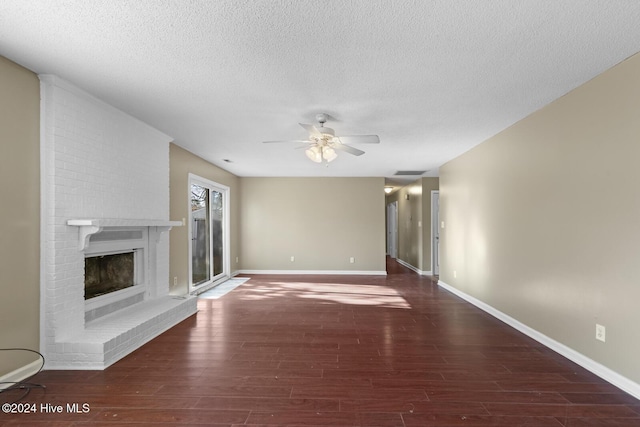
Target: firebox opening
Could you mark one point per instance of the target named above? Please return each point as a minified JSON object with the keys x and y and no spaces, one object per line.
{"x":104,"y":274}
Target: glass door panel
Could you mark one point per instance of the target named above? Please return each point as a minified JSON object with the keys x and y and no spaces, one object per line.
{"x":217,"y":232}
{"x":200,"y":235}
{"x":209,"y":222}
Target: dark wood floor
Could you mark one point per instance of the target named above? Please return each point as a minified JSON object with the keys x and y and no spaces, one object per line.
{"x":336,"y":351}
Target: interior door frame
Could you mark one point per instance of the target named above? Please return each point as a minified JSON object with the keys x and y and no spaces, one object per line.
{"x":435,"y":232}
{"x":392,"y":229}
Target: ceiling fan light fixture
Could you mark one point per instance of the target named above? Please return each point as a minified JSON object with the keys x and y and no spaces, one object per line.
{"x":329,"y":154}
{"x":323,"y":144}
{"x":314,"y":154}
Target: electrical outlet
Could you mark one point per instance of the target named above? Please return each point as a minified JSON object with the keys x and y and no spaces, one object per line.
{"x":600,"y":333}
{"x":352,"y":260}
{"x":455,"y":274}
{"x":175,"y":280}
{"x":293,"y":258}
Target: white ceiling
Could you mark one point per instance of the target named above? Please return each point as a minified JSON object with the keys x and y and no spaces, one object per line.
{"x":431,"y":78}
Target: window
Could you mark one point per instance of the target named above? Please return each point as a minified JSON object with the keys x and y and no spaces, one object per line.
{"x":208,"y":231}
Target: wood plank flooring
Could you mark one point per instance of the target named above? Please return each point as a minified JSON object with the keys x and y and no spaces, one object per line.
{"x":335,"y":351}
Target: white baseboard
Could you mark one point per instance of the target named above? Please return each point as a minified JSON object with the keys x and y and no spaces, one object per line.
{"x":318,"y":272}
{"x":20,"y":374}
{"x":411,"y":267}
{"x":591,"y":365}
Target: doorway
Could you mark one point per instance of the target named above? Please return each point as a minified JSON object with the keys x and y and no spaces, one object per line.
{"x":392,"y":229}
{"x":208,"y":233}
{"x":435,"y":232}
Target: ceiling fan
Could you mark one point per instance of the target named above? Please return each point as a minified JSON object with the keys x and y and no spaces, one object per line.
{"x":323,"y":142}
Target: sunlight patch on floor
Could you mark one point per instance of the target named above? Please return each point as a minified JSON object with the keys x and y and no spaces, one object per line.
{"x":340,"y":293}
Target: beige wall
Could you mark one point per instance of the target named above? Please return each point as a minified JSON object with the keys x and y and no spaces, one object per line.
{"x":414,"y":222}
{"x":322,"y":222}
{"x":19,"y":214}
{"x":542,"y":221}
{"x":182,"y":163}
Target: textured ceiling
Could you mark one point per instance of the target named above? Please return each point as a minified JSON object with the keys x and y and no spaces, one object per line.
{"x":431,"y":78}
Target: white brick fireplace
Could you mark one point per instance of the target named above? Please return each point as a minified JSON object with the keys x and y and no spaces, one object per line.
{"x":102,"y":171}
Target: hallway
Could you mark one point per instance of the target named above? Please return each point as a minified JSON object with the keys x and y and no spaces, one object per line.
{"x":336,"y":351}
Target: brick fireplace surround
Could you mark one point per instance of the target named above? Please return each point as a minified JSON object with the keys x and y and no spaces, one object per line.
{"x":101,"y":169}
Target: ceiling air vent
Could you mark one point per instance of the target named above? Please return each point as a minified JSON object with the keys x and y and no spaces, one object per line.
{"x":406,"y":173}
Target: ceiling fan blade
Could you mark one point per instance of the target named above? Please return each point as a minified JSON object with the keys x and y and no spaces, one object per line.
{"x":360,"y":139}
{"x":304,"y":141}
{"x":311,"y":129}
{"x":348,"y":149}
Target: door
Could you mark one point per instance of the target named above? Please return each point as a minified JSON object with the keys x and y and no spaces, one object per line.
{"x":392,"y":229}
{"x":435,"y":232}
{"x":208,"y":231}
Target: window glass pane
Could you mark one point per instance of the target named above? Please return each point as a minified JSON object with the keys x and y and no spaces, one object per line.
{"x":200,"y":234}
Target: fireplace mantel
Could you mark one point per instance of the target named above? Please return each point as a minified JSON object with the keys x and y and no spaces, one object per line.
{"x":87,"y":227}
